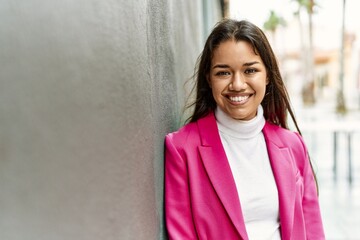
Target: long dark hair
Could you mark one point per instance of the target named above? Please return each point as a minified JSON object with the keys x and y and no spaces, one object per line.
{"x":276,"y":103}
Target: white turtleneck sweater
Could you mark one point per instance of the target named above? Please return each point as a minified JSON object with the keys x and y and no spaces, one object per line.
{"x":246,"y":151}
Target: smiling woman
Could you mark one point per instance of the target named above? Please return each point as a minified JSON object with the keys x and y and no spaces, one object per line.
{"x":236,"y":171}
{"x":237,"y":79}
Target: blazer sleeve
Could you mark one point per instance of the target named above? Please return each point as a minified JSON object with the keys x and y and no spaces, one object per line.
{"x":310,"y":201}
{"x":178,"y":215}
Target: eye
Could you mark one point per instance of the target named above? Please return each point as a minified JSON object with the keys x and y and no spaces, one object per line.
{"x":250,"y":71}
{"x":222,"y":73}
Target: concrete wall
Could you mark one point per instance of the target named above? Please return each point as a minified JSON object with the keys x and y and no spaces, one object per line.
{"x":88,"y":89}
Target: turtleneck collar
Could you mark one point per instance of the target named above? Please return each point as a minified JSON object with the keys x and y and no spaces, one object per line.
{"x":240,"y":128}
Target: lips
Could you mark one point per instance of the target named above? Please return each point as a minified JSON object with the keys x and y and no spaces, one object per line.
{"x":239,"y":99}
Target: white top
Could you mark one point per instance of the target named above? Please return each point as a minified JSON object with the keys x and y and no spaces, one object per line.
{"x":246,"y":151}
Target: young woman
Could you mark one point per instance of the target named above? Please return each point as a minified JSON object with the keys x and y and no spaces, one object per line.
{"x":235,"y":171}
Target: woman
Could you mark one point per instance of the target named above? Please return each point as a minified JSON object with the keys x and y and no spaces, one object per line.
{"x":235,"y":171}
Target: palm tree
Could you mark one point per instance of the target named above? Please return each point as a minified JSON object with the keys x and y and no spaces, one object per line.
{"x":273,"y":22}
{"x":308,"y":88}
{"x":340,"y":100}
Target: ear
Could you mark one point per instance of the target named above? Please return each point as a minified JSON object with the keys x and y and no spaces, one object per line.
{"x":267,"y":80}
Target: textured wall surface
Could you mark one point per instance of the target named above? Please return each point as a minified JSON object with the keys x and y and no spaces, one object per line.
{"x":88,"y":89}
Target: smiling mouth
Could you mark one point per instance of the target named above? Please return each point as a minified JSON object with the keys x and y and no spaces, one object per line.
{"x":239,"y":99}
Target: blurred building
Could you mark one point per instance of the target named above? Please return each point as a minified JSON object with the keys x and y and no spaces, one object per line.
{"x":287,"y":44}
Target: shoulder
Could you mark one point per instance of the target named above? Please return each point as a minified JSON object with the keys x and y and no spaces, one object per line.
{"x":182,"y":135}
{"x":287,"y":139}
{"x":278,"y":129}
{"x":285,"y":136}
{"x":182,"y":143}
{"x":194,"y":132}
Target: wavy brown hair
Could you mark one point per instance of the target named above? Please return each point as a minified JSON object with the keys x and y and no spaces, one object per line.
{"x":276,"y":103}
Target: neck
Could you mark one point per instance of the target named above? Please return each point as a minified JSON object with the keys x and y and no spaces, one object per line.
{"x":240,"y":128}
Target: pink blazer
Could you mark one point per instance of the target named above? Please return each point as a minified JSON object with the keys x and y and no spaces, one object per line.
{"x":201,"y":200}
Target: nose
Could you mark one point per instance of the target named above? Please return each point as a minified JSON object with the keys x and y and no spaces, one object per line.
{"x":237,"y":83}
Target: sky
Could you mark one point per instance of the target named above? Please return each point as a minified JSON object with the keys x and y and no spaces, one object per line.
{"x":329,"y":11}
{"x":327,"y":19}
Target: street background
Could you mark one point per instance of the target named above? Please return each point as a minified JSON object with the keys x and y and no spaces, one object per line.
{"x":88,"y":90}
{"x":318,"y":61}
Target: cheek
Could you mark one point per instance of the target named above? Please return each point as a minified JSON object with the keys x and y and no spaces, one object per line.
{"x":261,"y":85}
{"x":216,"y":92}
{"x":216,"y":89}
{"x":262,"y":92}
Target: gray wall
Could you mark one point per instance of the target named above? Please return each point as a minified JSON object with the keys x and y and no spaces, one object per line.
{"x":88,"y":89}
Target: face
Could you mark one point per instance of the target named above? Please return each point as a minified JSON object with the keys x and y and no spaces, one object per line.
{"x":237,"y":79}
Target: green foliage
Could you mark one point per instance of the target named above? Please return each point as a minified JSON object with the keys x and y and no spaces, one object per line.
{"x":273,"y":22}
{"x":309,"y":5}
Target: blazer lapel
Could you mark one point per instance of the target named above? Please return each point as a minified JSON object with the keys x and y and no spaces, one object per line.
{"x":284,"y":174}
{"x":219,"y":171}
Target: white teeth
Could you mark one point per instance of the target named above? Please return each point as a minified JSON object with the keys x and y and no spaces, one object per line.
{"x":239,"y":98}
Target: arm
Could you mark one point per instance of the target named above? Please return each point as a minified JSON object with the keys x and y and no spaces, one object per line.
{"x":310,"y":201}
{"x":178,"y":216}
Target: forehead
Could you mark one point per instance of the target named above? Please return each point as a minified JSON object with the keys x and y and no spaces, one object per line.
{"x":232,"y":50}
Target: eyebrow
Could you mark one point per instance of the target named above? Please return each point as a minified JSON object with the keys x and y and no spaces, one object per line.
{"x":227,"y":66}
{"x":250,"y":63}
{"x":220,"y":66}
